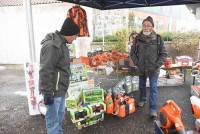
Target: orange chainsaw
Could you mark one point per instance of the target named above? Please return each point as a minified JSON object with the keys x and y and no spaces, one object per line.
{"x":195,"y":102}
{"x":170,"y":118}
{"x":123,"y":105}
{"x":109,"y":104}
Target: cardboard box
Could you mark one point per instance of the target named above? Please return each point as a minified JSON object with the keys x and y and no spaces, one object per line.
{"x":76,"y":61}
{"x":74,"y":100}
{"x":90,"y":121}
{"x":94,"y":95}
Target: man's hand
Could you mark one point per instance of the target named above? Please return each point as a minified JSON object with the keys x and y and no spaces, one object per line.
{"x":48,"y":100}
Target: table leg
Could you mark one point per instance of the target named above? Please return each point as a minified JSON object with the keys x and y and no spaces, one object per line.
{"x":185,"y":73}
{"x":193,"y":81}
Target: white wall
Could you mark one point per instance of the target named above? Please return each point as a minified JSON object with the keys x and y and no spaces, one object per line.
{"x":14,"y":48}
{"x":13,"y":37}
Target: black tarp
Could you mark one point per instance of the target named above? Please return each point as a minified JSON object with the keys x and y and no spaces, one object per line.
{"x":118,"y":4}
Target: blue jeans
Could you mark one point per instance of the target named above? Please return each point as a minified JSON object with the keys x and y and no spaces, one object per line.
{"x":55,"y":115}
{"x":153,"y":78}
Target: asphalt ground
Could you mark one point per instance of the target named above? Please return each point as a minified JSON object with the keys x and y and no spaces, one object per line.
{"x":15,"y":119}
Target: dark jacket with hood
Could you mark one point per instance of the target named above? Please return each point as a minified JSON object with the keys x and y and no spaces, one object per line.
{"x":149,"y":53}
{"x":54,"y":66}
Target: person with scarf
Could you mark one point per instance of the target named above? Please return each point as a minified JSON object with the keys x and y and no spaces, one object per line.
{"x":148,"y":56}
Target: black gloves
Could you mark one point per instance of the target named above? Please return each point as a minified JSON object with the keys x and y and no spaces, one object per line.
{"x":48,"y":100}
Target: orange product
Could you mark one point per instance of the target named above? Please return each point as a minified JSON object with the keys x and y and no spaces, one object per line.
{"x":79,"y":16}
{"x":131,"y":102}
{"x":170,"y":115}
{"x":109,"y":56}
{"x":124,"y":106}
{"x":95,"y":61}
{"x":119,"y":109}
{"x":168,"y":62}
{"x":195,"y":102}
{"x":122,"y":111}
{"x":84,"y":60}
{"x":109,"y":104}
{"x":104,"y":57}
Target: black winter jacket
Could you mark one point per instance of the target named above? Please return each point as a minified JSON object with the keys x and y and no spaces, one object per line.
{"x":54,"y":70}
{"x":149,"y":53}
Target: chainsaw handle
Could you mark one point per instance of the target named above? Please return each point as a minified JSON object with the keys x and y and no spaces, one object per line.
{"x":174,"y":105}
{"x":182,"y":132}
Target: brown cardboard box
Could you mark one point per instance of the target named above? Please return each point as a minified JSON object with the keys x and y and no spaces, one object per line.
{"x":76,"y":61}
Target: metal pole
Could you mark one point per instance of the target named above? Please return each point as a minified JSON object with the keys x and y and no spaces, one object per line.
{"x":198,"y":50}
{"x":103,"y":28}
{"x":29,"y":20}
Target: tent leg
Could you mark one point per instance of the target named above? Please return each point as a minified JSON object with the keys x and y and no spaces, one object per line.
{"x":28,"y":12}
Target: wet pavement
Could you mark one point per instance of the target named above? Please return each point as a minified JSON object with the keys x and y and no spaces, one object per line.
{"x":15,"y":119}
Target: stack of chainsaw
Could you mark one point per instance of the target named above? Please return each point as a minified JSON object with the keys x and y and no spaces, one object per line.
{"x":120,"y":104}
{"x":118,"y":100}
{"x":102,"y":57}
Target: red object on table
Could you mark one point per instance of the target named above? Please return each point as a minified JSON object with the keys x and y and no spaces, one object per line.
{"x":168,"y":62}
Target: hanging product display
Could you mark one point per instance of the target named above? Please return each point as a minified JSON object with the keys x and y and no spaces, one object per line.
{"x":32,"y":80}
{"x":79,"y":16}
{"x":31,"y":85}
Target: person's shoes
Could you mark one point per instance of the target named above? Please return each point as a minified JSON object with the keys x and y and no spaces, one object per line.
{"x":141,"y":103}
{"x":153,"y":115}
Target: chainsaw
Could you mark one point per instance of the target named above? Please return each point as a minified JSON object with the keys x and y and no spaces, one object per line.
{"x":195,"y":102}
{"x":170,"y":118}
{"x":109,"y":104}
{"x":123,"y":105}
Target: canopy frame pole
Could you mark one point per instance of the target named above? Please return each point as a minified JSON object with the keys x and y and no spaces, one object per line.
{"x":29,"y":20}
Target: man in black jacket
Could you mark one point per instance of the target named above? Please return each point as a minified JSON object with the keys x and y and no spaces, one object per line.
{"x":55,"y":72}
{"x":148,"y":55}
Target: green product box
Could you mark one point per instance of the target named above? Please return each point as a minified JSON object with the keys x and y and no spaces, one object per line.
{"x":97,"y":108}
{"x":79,"y":114}
{"x":90,"y":121}
{"x":73,"y":100}
{"x":78,"y":73}
{"x":94,"y":95}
